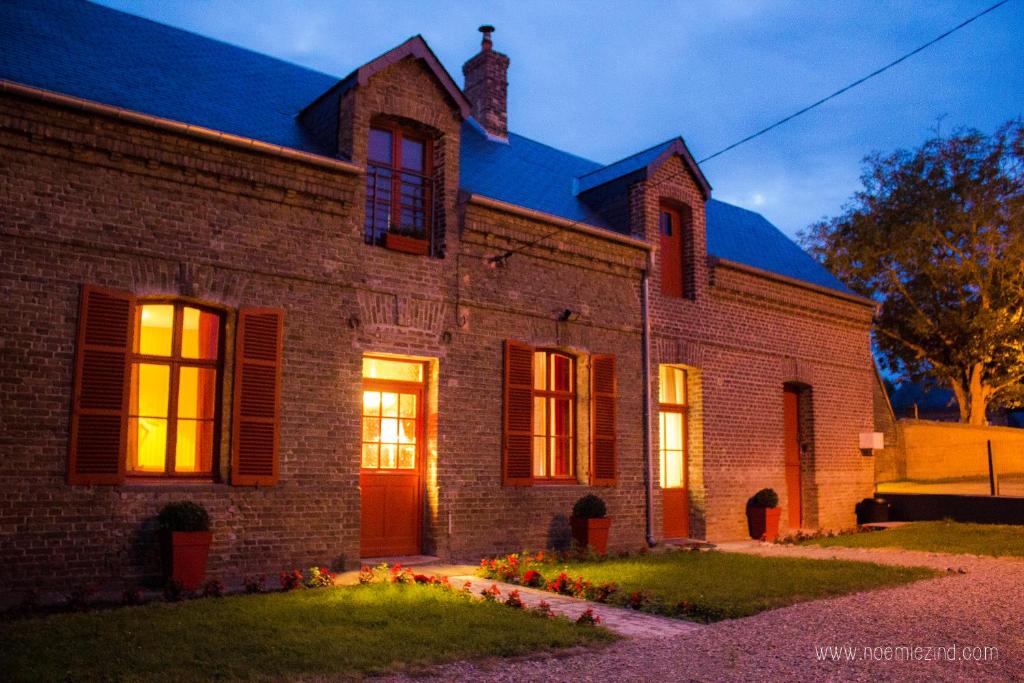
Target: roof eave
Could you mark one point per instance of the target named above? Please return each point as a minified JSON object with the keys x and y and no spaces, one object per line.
{"x":209,"y":134}
{"x":796,"y":282}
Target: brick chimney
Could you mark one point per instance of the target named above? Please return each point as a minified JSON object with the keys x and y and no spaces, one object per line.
{"x":486,"y":75}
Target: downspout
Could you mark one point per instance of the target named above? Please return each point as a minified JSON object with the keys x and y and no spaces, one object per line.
{"x":645,"y":302}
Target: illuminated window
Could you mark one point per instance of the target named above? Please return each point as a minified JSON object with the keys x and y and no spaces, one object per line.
{"x":398,"y":184}
{"x":175,"y":375}
{"x":554,"y":407}
{"x":392,"y":414}
{"x":672,"y":403}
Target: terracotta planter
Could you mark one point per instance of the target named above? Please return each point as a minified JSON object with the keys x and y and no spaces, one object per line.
{"x":763,"y":523}
{"x":591,"y":533}
{"x":406,"y":245}
{"x":184,"y":556}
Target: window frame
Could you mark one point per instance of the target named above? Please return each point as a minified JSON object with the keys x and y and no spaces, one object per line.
{"x":371,"y":233}
{"x":397,"y":386}
{"x":175,"y":362}
{"x":551,"y":396}
{"x":682,"y":409}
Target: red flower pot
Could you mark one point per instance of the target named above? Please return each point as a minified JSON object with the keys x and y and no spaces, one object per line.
{"x":406,"y":245}
{"x":763,"y":523}
{"x":184,"y":556}
{"x":591,"y":533}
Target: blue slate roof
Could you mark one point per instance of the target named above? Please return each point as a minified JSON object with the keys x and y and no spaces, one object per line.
{"x":747,"y":237}
{"x":95,"y":53}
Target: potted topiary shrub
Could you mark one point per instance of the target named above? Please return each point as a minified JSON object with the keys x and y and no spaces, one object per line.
{"x":763,"y":515}
{"x":184,"y":543}
{"x":590,"y":523}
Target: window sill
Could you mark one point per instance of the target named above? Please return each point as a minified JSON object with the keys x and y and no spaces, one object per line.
{"x":142,"y":483}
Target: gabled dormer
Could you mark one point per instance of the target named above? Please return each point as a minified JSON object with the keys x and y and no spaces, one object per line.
{"x":399,"y":116}
{"x":658,"y":195}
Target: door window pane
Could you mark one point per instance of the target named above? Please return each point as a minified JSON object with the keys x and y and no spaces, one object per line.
{"x":398,"y":370}
{"x":672,"y":385}
{"x":388,"y":456}
{"x":371,"y":403}
{"x":406,"y":457}
{"x":672,"y":449}
{"x":370,"y":455}
{"x":389,"y":404}
{"x":407,"y":406}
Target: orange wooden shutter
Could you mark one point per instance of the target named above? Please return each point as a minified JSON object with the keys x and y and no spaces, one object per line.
{"x":602,"y":419}
{"x":257,"y":404}
{"x":517,"y":446}
{"x":99,"y":411}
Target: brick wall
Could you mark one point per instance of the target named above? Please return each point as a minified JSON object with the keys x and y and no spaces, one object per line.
{"x":749,"y":335}
{"x":91,"y":199}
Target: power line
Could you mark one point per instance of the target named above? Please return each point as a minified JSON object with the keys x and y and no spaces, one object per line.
{"x":499,"y":258}
{"x":857,"y":82}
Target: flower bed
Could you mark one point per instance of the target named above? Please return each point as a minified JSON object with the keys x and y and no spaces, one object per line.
{"x":694,"y":585}
{"x":398,"y":574}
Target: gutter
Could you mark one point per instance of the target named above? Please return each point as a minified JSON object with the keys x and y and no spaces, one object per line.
{"x":208,"y":134}
{"x":645,"y":303}
{"x":576,"y":226}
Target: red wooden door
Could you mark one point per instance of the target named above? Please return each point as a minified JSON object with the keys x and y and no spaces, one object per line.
{"x":390,"y":477}
{"x":671,"y":250}
{"x":791,"y":434}
{"x":675,"y":499}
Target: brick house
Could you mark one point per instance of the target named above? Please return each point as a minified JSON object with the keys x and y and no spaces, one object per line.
{"x":360,"y":317}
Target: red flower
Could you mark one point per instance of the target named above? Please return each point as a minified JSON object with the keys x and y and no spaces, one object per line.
{"x":532,"y":578}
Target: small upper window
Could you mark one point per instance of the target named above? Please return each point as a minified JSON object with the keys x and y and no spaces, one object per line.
{"x":399,"y":187}
{"x":666,"y":223}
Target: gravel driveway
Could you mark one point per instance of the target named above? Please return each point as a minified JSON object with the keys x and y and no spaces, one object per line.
{"x":978,"y":603}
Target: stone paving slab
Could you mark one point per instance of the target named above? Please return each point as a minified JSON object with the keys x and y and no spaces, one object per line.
{"x":625,"y":622}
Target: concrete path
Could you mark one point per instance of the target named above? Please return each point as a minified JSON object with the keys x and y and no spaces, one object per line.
{"x":625,"y":622}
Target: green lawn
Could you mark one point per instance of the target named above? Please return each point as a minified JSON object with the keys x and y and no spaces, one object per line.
{"x":938,"y":537}
{"x":717,"y":585}
{"x":336,"y":632}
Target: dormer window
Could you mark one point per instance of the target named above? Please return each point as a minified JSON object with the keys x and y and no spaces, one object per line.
{"x":399,"y":189}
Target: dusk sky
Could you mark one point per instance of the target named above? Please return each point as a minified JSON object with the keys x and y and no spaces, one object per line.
{"x":606,"y":79}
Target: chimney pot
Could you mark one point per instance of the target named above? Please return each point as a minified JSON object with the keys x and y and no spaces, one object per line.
{"x":487,"y":30}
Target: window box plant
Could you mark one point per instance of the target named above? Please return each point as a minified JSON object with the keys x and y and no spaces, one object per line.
{"x":590,"y":523}
{"x":185,"y":539}
{"x":763,"y":515}
{"x":407,"y":241}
